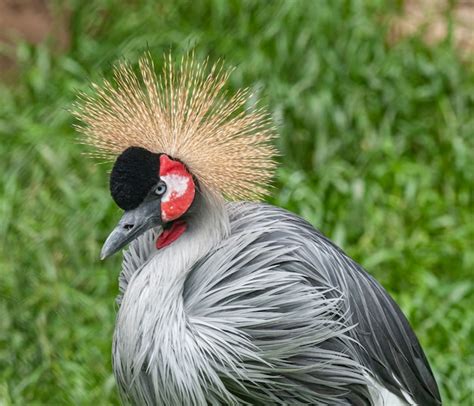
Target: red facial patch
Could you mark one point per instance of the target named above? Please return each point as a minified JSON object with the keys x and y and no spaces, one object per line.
{"x":171,"y":235}
{"x":180,"y":189}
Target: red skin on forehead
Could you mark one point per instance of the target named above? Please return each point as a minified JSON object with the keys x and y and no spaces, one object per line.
{"x":180,"y":189}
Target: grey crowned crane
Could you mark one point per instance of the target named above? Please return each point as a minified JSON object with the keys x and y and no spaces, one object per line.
{"x":229,"y":303}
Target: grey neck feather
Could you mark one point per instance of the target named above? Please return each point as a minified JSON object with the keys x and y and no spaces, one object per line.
{"x":153,"y":299}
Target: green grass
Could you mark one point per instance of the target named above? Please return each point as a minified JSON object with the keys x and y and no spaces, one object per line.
{"x":377,"y":150}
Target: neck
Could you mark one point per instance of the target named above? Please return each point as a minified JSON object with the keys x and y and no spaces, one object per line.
{"x":206,"y":224}
{"x":151,"y":323}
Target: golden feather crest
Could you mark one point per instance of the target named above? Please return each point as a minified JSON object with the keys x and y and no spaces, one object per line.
{"x":184,"y":114}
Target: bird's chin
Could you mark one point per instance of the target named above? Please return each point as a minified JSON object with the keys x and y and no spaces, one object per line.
{"x":170,"y":233}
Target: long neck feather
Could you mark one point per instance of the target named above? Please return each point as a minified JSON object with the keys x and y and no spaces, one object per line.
{"x":151,"y":323}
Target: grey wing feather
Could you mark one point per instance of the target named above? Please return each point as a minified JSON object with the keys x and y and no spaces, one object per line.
{"x":275,"y":337}
{"x":283,"y":316}
{"x":389,"y":348}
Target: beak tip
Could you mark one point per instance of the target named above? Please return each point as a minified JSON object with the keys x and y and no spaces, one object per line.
{"x":105,"y":252}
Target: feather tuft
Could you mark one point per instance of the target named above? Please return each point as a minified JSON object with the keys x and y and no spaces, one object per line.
{"x":183,"y":113}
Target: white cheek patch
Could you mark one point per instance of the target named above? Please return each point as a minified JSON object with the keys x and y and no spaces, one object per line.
{"x":176,"y":186}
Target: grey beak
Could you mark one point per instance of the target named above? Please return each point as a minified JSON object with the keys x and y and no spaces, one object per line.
{"x":132,"y":224}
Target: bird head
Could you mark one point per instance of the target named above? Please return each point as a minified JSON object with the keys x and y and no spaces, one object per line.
{"x":174,"y":138}
{"x":154,"y":190}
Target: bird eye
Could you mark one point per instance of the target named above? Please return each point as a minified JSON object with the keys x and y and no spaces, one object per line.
{"x":160,"y":188}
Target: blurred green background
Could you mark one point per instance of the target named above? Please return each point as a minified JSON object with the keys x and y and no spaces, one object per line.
{"x":377,"y":151}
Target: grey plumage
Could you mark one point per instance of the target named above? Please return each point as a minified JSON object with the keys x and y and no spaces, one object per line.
{"x":252,"y":305}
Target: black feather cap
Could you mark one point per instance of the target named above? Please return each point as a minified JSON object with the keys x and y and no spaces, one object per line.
{"x":135,"y":172}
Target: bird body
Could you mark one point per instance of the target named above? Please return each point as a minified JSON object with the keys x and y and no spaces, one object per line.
{"x":270,"y":312}
{"x":232,"y":303}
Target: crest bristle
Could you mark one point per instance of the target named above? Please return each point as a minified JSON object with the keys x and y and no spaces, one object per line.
{"x":184,"y":114}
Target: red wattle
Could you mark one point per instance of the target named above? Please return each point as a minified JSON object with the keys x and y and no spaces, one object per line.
{"x":171,"y":235}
